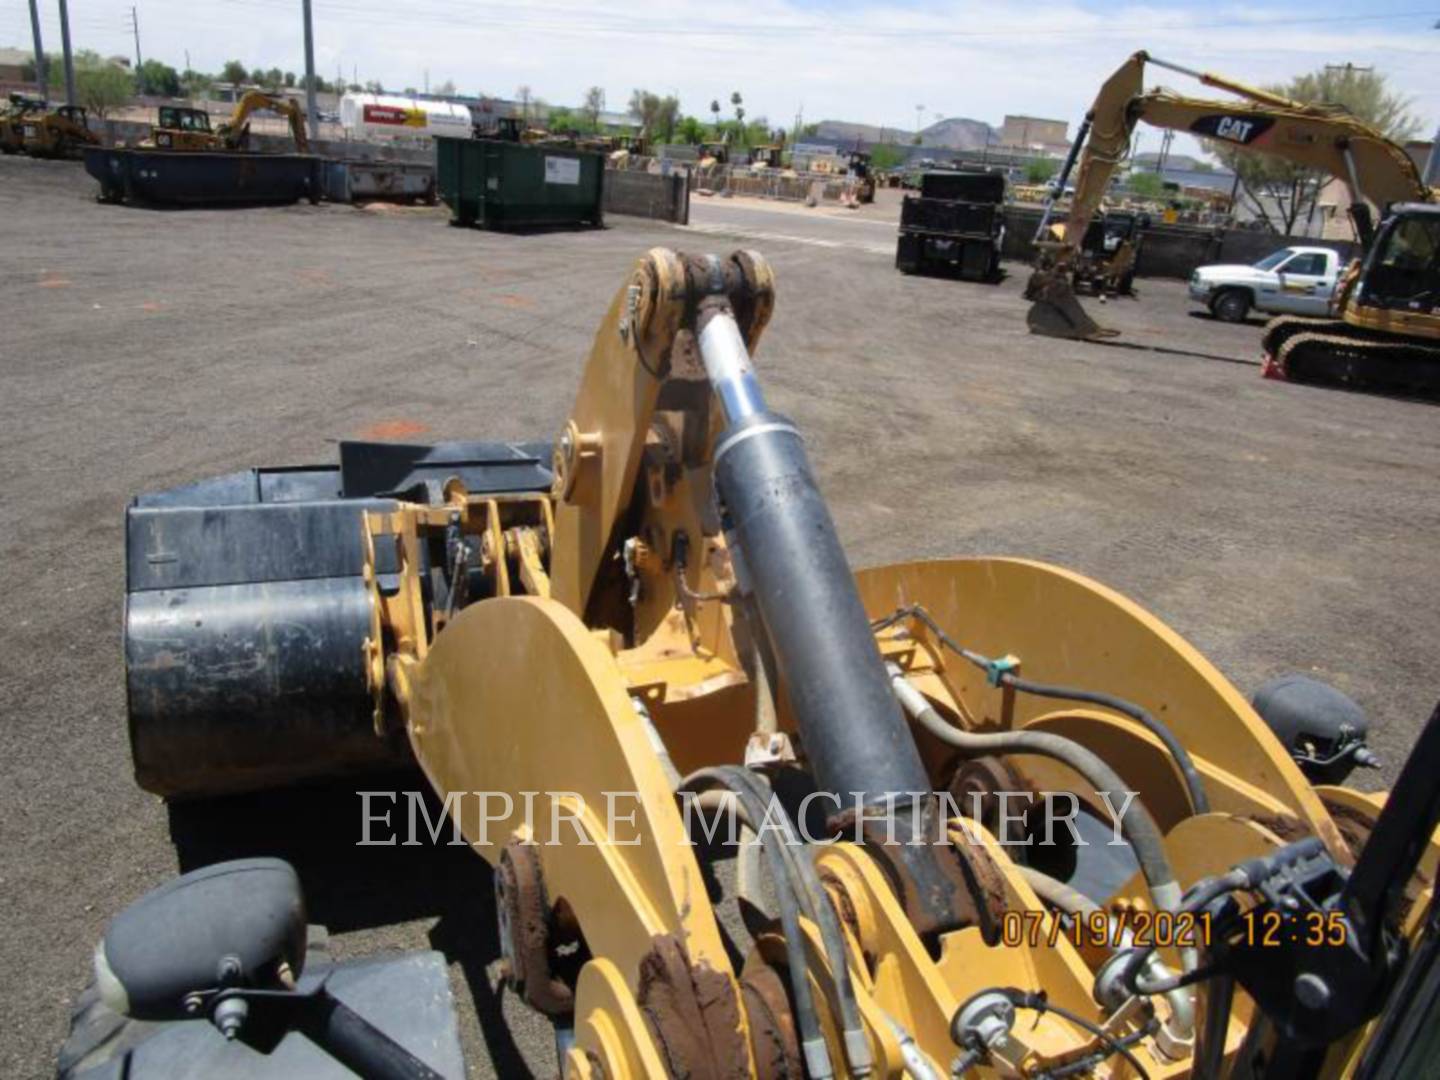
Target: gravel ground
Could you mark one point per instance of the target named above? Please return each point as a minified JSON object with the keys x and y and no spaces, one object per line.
{"x":1280,"y":528}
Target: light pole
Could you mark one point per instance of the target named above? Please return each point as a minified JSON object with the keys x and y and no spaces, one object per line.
{"x":41,"y":75}
{"x":1432,"y":163}
{"x":312,"y":113}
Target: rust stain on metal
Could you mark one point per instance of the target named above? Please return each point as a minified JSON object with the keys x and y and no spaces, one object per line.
{"x":692,"y":1013}
{"x":393,"y":429}
{"x":1286,"y":826}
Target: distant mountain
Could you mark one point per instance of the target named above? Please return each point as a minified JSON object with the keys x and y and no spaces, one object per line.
{"x":1174,"y":161}
{"x":959,"y":133}
{"x":954,"y":134}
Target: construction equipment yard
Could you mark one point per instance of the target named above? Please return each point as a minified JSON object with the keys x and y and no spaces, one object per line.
{"x":1278,"y":527}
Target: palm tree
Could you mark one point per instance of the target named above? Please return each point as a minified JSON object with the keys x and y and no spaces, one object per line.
{"x":715,"y":111}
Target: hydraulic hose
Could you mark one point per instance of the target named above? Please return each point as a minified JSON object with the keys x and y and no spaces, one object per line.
{"x":1075,"y":903}
{"x":814,"y":899}
{"x":1136,"y":824}
{"x":812,"y":1039}
{"x":1199,"y":801}
{"x":1194,"y":786}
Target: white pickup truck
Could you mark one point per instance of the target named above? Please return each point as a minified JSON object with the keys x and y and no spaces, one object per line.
{"x":1294,"y":280}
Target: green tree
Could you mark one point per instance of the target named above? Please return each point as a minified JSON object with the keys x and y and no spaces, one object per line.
{"x":757,"y":133}
{"x":563,"y":120}
{"x":658,"y":116}
{"x":715,"y":113}
{"x":690,"y":131}
{"x":594,"y":106}
{"x":1147,"y":185}
{"x":100,"y":86}
{"x":234,"y":72}
{"x":289,"y":78}
{"x":1040,"y":170}
{"x":1280,"y":193}
{"x":194,"y":83}
{"x":155,"y":77}
{"x":886,"y":156}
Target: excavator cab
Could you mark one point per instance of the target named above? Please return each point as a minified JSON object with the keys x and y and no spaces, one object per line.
{"x":1402,"y":272}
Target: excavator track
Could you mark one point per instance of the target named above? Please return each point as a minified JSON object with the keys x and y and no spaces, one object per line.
{"x":1410,"y":368}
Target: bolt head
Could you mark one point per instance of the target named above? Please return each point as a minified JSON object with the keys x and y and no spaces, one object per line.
{"x":1312,"y":991}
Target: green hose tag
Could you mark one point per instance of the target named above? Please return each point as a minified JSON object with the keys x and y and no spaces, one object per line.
{"x":996,"y":670}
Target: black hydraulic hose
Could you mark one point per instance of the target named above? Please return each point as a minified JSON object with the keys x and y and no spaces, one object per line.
{"x":1136,"y":824}
{"x":1199,"y":801}
{"x":812,"y":1040}
{"x":1246,"y":875}
{"x":1213,"y":1026}
{"x":1194,"y":786}
{"x":816,"y":901}
{"x":1087,"y":1062}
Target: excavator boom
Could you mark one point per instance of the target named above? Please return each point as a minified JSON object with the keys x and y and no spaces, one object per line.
{"x":1321,"y":137}
{"x":235,"y":132}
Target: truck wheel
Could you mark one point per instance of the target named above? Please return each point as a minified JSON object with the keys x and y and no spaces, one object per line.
{"x":1232,"y":305}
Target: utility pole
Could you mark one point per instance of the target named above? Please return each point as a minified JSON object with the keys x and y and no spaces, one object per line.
{"x":69,"y":59}
{"x":310,"y":109}
{"x":1432,"y":163}
{"x":139,"y":64}
{"x":41,"y":79}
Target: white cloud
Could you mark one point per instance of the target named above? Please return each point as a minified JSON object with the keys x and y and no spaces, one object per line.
{"x":860,"y":61}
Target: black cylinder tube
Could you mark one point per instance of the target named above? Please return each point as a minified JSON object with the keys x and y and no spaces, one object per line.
{"x":853,"y":731}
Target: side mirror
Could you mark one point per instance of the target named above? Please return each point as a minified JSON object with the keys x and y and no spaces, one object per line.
{"x":233,"y":924}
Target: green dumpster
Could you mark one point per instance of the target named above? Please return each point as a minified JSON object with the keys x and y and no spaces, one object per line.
{"x":503,"y":185}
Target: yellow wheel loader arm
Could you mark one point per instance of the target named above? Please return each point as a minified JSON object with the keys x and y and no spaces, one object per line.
{"x":662,"y":663}
{"x":1320,"y":137}
{"x":625,"y":655}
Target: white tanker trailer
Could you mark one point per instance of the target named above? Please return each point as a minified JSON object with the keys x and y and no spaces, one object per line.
{"x":392,"y":116}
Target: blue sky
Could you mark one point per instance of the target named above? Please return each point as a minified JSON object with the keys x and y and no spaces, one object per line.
{"x":854,"y":59}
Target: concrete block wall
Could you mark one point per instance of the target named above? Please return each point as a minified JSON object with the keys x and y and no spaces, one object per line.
{"x":649,"y":195}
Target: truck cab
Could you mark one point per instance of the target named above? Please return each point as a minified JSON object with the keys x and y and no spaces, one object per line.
{"x":1294,"y":280}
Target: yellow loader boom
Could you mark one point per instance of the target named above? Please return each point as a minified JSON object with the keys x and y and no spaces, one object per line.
{"x":1321,"y":137}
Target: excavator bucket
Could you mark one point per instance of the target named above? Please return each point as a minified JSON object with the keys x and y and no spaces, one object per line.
{"x":1055,"y":311}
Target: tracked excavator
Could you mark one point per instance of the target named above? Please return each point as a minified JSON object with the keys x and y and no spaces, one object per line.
{"x":1384,"y":332}
{"x":234,"y":134}
{"x":651,"y":623}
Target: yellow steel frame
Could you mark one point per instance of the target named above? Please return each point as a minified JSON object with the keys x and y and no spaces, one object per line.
{"x":536,"y":689}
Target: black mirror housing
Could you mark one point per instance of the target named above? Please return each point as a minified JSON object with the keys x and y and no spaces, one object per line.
{"x":236,"y":923}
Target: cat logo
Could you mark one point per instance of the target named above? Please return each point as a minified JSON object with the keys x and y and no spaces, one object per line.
{"x":1236,"y":129}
